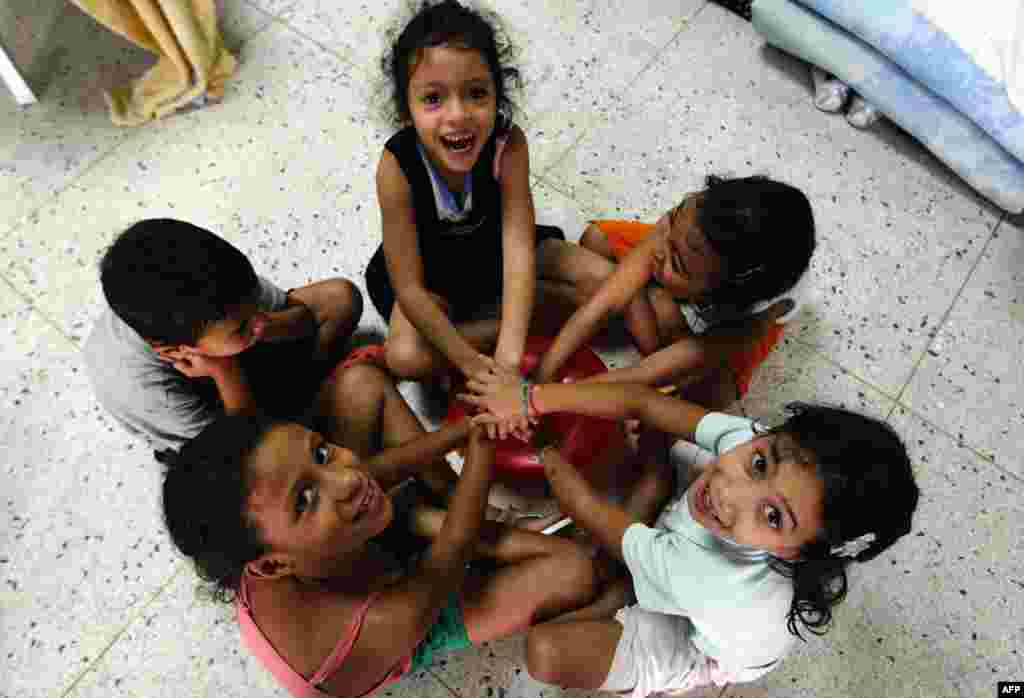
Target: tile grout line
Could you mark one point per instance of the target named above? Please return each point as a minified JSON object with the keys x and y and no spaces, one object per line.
{"x":899,"y":405}
{"x":119,"y":141}
{"x":38,"y":311}
{"x":949,"y":310}
{"x":686,"y":23}
{"x":852,"y":374}
{"x":284,"y":21}
{"x":960,"y":443}
{"x":117,"y":636}
{"x":448,"y":688}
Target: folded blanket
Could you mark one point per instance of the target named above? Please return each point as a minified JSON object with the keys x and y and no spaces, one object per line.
{"x":972,"y":59}
{"x":953,"y":137}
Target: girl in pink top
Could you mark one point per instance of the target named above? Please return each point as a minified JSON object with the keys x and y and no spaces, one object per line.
{"x":295,"y":528}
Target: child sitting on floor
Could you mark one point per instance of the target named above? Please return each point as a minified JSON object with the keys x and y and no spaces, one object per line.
{"x":704,"y":291}
{"x":191,"y":331}
{"x":301,"y":532}
{"x":755,"y":547}
{"x":454,"y":193}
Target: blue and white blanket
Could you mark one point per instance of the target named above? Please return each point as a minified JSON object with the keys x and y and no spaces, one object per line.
{"x":949,"y":72}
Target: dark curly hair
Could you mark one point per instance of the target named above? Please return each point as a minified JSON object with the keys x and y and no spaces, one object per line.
{"x":764,"y":232}
{"x":869,"y":489}
{"x":449,"y":22}
{"x":205,"y":493}
{"x":169,"y":280}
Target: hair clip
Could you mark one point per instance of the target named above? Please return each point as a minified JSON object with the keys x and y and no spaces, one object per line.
{"x":854,"y":546}
{"x":744,"y":275}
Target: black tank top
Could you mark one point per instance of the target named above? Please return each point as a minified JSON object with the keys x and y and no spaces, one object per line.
{"x":462,"y":255}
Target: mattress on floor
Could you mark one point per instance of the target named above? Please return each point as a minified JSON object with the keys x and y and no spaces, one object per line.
{"x":948,"y":133}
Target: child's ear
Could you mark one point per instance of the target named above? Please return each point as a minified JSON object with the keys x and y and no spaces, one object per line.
{"x":175,"y":352}
{"x":270,"y":567}
{"x":168,"y":351}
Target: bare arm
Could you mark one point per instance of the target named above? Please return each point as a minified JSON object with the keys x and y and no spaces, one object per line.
{"x":518,"y":250}
{"x":642,"y":323}
{"x":225,"y":371}
{"x":234,"y":388}
{"x":695,"y":354}
{"x":498,"y":541}
{"x":605,"y":400}
{"x":628,"y":279}
{"x":405,"y":268}
{"x":603,"y":520}
{"x":421,"y":456}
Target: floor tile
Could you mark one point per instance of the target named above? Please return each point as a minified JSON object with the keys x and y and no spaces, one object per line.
{"x":484,"y":671}
{"x":897,"y":236}
{"x":283,"y":168}
{"x":579,"y":59}
{"x":969,"y":383}
{"x":185,"y":644}
{"x":574,"y":58}
{"x":68,"y":59}
{"x":239,"y":21}
{"x":81,"y":541}
{"x":929,"y":617}
{"x":794,"y":372}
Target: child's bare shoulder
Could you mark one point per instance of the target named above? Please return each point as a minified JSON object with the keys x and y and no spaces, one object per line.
{"x":304,"y":624}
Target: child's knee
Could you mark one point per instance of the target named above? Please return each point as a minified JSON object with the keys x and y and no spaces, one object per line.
{"x":360,"y":386}
{"x":407,"y":357}
{"x":573,"y":581}
{"x":594,"y":239}
{"x":346,"y":300}
{"x":543,"y":654}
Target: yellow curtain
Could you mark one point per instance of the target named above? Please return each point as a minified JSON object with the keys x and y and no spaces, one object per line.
{"x":184,"y":35}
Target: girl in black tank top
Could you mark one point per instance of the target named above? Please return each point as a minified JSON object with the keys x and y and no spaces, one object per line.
{"x":457,"y":212}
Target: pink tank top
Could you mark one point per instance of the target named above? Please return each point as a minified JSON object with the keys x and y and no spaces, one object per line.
{"x":296,"y":683}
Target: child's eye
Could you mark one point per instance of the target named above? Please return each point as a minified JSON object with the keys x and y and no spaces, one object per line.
{"x":306,"y":499}
{"x":479,"y":93}
{"x":431,"y":99}
{"x":759,"y":463}
{"x":321,"y":454}
{"x":677,"y":263}
{"x":773,"y":516}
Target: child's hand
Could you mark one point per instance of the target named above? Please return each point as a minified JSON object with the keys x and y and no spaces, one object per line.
{"x":507,"y":364}
{"x":492,"y":393}
{"x":196,"y":365}
{"x":497,"y":428}
{"x":274,"y":327}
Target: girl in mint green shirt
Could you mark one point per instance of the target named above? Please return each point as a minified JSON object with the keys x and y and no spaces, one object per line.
{"x":753,"y":548}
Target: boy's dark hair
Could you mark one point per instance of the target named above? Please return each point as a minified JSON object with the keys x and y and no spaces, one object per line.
{"x":870,"y":495}
{"x":764,"y":232}
{"x":169,"y":280}
{"x":449,"y":22}
{"x":205,"y":494}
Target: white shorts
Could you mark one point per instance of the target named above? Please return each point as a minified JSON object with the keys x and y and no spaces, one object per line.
{"x":654,"y":654}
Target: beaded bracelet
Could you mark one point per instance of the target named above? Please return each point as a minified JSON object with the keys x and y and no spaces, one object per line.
{"x":524,"y":395}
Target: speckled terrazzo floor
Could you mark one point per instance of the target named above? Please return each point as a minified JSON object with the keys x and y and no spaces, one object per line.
{"x":918,"y":317}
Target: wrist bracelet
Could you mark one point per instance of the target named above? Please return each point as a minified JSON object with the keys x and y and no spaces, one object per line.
{"x":530,"y":404}
{"x":524,"y":395}
{"x":540,"y":452}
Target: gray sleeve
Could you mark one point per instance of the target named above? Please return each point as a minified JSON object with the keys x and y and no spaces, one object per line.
{"x":146,"y":396}
{"x":166,"y":415}
{"x":271,"y":297}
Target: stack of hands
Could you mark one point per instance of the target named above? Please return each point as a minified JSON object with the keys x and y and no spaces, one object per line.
{"x":503,"y":401}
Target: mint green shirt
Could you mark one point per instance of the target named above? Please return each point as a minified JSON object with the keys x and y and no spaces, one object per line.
{"x":736,"y":603}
